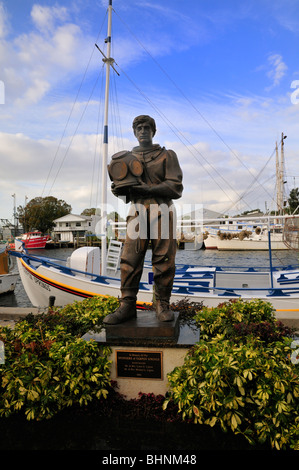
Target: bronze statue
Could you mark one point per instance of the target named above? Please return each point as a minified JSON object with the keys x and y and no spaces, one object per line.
{"x":150,"y":177}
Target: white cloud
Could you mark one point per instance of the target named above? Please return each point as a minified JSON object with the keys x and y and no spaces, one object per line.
{"x":37,"y":61}
{"x":3,"y":21}
{"x":34,"y":93}
{"x":44,"y":18}
{"x":278,"y":69}
{"x":40,"y":63}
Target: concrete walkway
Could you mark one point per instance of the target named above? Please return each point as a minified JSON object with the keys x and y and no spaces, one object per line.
{"x":9,"y":315}
{"x":15,"y":313}
{"x":290,"y":319}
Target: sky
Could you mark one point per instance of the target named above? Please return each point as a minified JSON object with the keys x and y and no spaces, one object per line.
{"x":220,"y":78}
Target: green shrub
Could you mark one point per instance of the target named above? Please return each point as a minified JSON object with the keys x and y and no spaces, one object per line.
{"x":240,"y":382}
{"x":76,"y":318}
{"x":48,"y":366}
{"x":239,"y":318}
{"x":239,"y":376}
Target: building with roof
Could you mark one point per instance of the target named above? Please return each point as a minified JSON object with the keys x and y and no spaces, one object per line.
{"x":71,"y":226}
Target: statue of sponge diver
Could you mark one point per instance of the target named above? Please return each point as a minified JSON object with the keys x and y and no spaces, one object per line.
{"x":159,"y":182}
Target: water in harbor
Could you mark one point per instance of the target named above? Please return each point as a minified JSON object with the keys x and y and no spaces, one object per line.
{"x":198,"y":257}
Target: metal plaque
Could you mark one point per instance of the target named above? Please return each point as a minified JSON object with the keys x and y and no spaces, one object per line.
{"x":139,"y":364}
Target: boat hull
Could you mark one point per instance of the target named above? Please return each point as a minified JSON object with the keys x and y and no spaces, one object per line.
{"x":44,"y":282}
{"x":8,"y":279}
{"x":8,"y":283}
{"x":250,"y":245}
{"x":34,"y":240}
{"x":213,"y":242}
{"x":36,"y":244}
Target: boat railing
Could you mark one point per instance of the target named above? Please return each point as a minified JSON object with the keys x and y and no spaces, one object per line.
{"x":229,"y":291}
{"x":182,"y":268}
{"x":29,"y":259}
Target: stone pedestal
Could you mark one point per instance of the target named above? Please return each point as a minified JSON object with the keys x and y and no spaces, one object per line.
{"x":144,"y":351}
{"x":146,"y":327}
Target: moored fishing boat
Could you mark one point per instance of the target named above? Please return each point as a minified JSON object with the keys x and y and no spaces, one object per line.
{"x":33,"y":240}
{"x":79,"y":277}
{"x":8,"y":279}
{"x":243,"y":241}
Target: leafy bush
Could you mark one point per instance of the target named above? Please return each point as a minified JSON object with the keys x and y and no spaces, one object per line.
{"x":238,"y":377}
{"x":48,"y":366}
{"x":239,"y":318}
{"x":246,"y":383}
{"x":76,"y":318}
{"x":267,"y":331}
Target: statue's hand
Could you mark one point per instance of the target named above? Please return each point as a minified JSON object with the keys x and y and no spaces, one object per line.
{"x":142,"y":189}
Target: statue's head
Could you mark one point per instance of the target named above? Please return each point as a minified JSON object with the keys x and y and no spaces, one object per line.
{"x":144,"y":119}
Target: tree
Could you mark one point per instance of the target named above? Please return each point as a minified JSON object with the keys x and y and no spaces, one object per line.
{"x":40,"y":213}
{"x":115,"y":217}
{"x":90,"y":211}
{"x":293,"y":200}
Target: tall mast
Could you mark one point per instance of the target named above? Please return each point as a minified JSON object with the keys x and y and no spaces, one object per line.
{"x":282,"y":172}
{"x":278,"y":186}
{"x":280,"y":176}
{"x":108,"y":61}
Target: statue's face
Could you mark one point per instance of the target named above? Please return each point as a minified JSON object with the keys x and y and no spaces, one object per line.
{"x":144,"y":134}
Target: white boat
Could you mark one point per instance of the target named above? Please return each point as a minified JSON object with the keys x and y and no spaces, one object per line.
{"x":78,"y":278}
{"x":251,"y":232}
{"x":8,"y":280}
{"x":84,"y":275}
{"x":246,"y":242}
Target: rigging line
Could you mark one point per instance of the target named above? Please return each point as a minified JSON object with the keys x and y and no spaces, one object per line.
{"x":258,"y":175}
{"x":116,"y":113}
{"x":96,"y":146}
{"x":178,"y":133}
{"x":100,"y":147}
{"x":72,"y":109}
{"x":255,"y":197}
{"x":187,"y":99}
{"x":114,"y":110}
{"x":73,"y":136}
{"x":270,"y":177}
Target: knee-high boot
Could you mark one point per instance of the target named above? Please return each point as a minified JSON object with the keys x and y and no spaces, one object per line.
{"x":124,"y":312}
